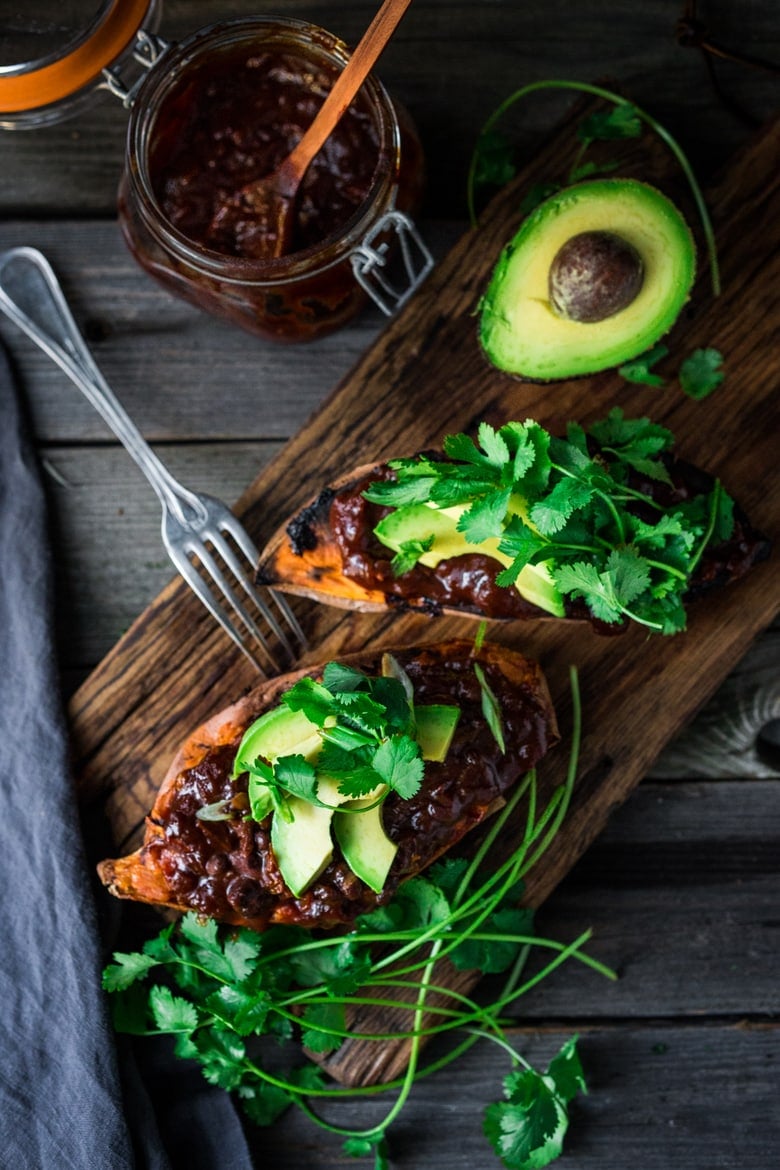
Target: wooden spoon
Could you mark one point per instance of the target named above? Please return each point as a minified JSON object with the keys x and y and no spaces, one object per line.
{"x":271,"y":200}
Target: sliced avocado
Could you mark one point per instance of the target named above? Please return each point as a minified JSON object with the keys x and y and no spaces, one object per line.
{"x":303,"y":846}
{"x":367,"y":849}
{"x":420,"y":521}
{"x":279,"y":732}
{"x":594,"y":277}
{"x":436,"y":725}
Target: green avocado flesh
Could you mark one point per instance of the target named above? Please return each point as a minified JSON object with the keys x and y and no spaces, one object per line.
{"x":303,"y":846}
{"x":421,"y":521}
{"x":520,"y":330}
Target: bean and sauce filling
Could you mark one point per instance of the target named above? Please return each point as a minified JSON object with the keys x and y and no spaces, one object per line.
{"x":227,"y":870}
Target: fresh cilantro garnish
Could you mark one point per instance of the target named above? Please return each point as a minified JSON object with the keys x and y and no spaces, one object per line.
{"x":699,"y":374}
{"x":227,"y":997}
{"x":494,"y":165}
{"x":366,"y":728}
{"x":409,"y":554}
{"x":640,"y":369}
{"x":621,"y":121}
{"x":702,"y":373}
{"x":527,"y":1129}
{"x":581,"y":505}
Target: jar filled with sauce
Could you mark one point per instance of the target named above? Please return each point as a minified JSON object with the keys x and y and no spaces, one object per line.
{"x":210,"y":115}
{"x":229,"y":106}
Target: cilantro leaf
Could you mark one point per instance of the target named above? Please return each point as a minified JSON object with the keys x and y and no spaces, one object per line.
{"x":313,"y":698}
{"x":411,"y":489}
{"x":244,"y":1011}
{"x":536,"y":194}
{"x":629,"y":572}
{"x":409,"y":554}
{"x":620,"y":121}
{"x":701,"y":373}
{"x":341,"y":680}
{"x":359,"y":781}
{"x":551,"y":513}
{"x":483,"y":519}
{"x":583,"y":579}
{"x":565,"y":1071}
{"x":321,"y":1021}
{"x":493,"y":162}
{"x":298,"y":776}
{"x":493,"y":444}
{"x":520,"y":542}
{"x":490,"y":708}
{"x":586,"y":169}
{"x":640,"y":369}
{"x":125,"y":969}
{"x":221,"y":1054}
{"x":363,"y":1147}
{"x":263,"y":1102}
{"x":527,"y":1129}
{"x":398,"y":760}
{"x":171,"y":1012}
{"x":490,"y":956}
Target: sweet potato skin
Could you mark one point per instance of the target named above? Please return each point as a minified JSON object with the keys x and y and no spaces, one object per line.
{"x":142,"y":877}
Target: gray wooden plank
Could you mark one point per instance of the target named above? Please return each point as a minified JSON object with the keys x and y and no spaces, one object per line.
{"x":106,"y":533}
{"x":451,"y":70}
{"x":180,"y":373}
{"x":692,"y":1097}
{"x":681,"y":893}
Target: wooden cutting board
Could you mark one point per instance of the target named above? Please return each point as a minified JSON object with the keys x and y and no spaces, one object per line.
{"x":423,"y":378}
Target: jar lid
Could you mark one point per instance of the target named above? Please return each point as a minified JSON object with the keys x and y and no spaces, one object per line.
{"x":45,"y":60}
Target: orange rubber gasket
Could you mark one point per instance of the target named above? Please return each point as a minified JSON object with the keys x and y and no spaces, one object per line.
{"x":30,"y":91}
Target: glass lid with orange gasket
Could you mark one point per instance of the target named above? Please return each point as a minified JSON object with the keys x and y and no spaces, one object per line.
{"x":51,"y":65}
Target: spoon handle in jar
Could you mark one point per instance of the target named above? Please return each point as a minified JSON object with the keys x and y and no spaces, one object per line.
{"x":345,"y":87}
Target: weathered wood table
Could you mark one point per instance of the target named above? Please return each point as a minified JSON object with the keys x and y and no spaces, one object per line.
{"x":683,"y":887}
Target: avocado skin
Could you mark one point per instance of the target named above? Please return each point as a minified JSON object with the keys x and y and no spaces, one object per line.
{"x":520,"y":333}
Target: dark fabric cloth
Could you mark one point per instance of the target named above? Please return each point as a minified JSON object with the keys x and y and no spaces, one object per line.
{"x":71,"y":1097}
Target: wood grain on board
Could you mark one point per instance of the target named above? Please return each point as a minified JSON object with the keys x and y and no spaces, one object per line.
{"x":425,"y":377}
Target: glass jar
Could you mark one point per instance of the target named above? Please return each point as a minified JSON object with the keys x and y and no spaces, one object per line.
{"x":49,"y":70}
{"x":315,"y":288}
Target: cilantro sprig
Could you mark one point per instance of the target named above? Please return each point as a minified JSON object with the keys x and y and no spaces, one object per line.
{"x":366,"y":728}
{"x":699,"y":374}
{"x":224,"y":994}
{"x":576,"y":504}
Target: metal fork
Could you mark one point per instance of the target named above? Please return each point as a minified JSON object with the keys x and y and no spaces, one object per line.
{"x":196,"y":528}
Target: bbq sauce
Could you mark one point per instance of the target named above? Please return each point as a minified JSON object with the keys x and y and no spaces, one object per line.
{"x":230,"y":105}
{"x":226,"y":869}
{"x":232,"y":122}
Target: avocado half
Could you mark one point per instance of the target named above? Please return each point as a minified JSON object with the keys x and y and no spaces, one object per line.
{"x":616,"y":244}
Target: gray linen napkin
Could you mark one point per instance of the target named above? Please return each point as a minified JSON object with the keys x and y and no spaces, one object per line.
{"x":67,"y":1100}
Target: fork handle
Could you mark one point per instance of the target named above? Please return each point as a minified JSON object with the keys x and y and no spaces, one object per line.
{"x":32,"y":297}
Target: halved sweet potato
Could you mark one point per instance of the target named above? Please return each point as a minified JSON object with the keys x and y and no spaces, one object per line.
{"x":328,"y":551}
{"x":226,"y":869}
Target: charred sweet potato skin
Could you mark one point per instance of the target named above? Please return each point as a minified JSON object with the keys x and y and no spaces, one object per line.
{"x":227,"y":869}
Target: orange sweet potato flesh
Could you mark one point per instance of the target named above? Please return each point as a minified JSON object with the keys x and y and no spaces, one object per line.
{"x":252,"y":893}
{"x":315,"y":567}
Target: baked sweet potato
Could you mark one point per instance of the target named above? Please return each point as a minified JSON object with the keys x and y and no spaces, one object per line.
{"x":226,"y":868}
{"x":673,"y":534}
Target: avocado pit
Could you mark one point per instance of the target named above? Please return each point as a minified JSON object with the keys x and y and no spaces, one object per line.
{"x":593,"y":276}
